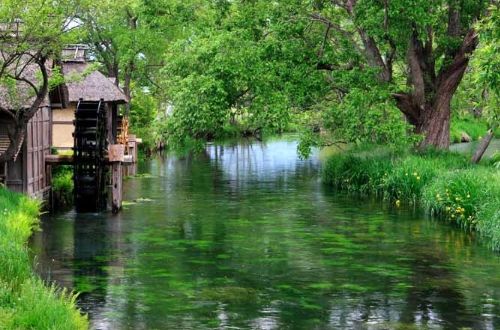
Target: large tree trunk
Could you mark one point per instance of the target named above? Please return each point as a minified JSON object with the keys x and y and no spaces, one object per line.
{"x":436,"y":127}
{"x":430,"y":120}
{"x":427,"y":106}
{"x":127,"y":85}
{"x":16,"y":137}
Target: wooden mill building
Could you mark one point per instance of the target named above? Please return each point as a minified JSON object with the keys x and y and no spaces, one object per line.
{"x":83,"y":82}
{"x":86,"y":104}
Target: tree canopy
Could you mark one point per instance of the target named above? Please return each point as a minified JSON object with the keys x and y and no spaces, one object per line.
{"x":380,"y":71}
{"x":353,"y":65}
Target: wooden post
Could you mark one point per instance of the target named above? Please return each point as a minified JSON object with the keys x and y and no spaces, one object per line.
{"x":116,"y":154}
{"x":117,"y":179}
{"x":132,"y":147}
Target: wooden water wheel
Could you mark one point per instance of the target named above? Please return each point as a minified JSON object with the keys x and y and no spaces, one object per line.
{"x":90,"y":146}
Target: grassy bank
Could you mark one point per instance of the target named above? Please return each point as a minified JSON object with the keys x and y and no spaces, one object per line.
{"x":25,"y":301}
{"x":475,"y":128}
{"x":444,"y":183}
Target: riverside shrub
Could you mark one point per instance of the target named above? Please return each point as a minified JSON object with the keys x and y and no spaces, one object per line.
{"x":355,"y":172}
{"x":409,"y":174}
{"x":444,"y":183}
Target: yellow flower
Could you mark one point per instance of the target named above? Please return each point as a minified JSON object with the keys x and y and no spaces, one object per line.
{"x":418,"y":178}
{"x":448,"y":209}
{"x":468,"y":195}
{"x":415,"y":173}
{"x":398,"y":202}
{"x":438,"y":196}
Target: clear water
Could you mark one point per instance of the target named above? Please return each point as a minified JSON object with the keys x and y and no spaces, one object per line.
{"x":470,"y":148}
{"x":246,"y":237}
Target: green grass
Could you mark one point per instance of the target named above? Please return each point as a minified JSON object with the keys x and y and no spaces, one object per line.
{"x":470,"y":198}
{"x":474,"y":127}
{"x":445,"y":183}
{"x":495,"y":160}
{"x":354,"y":173}
{"x":25,"y":301}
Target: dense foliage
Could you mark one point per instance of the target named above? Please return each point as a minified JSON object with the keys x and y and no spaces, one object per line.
{"x":355,"y":66}
{"x":351,"y":70}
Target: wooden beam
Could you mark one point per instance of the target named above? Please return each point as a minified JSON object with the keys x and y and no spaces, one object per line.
{"x":69,"y":160}
{"x":59,"y":160}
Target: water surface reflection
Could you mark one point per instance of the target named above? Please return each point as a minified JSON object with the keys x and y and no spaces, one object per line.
{"x":245,"y":236}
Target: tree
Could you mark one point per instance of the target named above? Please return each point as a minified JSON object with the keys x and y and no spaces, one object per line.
{"x":30,"y":34}
{"x":434,"y":40}
{"x":414,"y":53}
{"x":245,"y":64}
{"x":130,"y":36}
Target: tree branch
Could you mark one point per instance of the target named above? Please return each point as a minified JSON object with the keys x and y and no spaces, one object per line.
{"x":8,"y":112}
{"x":460,"y":60}
{"x":373,"y":56}
{"x":346,"y":34}
{"x":322,"y":49}
{"x":416,"y":75}
{"x":406,"y":105}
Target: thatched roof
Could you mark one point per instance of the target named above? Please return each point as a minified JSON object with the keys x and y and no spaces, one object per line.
{"x":90,"y":86}
{"x":22,"y":96}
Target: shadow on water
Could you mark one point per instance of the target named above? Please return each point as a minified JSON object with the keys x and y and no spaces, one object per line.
{"x":245,"y":236}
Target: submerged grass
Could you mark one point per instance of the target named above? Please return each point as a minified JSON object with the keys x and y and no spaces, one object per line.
{"x":443,"y":182}
{"x":25,"y":301}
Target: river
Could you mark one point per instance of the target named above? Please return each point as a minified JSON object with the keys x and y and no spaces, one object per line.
{"x":245,"y":236}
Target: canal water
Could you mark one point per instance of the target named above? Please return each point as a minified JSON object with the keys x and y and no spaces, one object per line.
{"x":245,"y":236}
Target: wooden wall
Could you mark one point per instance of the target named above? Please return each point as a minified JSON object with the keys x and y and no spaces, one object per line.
{"x":37,"y":146}
{"x":28,"y":173}
{"x":12,"y":171}
{"x":4,"y":144}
